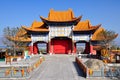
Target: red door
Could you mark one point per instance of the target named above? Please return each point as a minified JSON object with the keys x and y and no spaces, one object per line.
{"x":60,"y":46}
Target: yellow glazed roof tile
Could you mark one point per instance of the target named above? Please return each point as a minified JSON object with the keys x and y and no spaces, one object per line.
{"x":83,"y":25}
{"x":60,"y":15}
{"x":36,"y":26}
{"x":96,"y":35}
{"x":21,"y":32}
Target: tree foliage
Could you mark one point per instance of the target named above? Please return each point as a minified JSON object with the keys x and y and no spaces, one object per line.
{"x":9,"y":32}
{"x":11,"y":43}
{"x":108,"y":36}
{"x":13,"y":33}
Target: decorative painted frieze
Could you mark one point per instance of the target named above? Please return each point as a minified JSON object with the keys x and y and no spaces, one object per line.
{"x":42,"y":37}
{"x":60,"y":31}
{"x":78,"y":37}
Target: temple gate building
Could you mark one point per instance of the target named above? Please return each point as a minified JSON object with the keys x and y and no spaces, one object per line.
{"x":61,"y":31}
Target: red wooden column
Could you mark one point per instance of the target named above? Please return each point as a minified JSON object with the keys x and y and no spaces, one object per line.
{"x":31,"y":49}
{"x":70,"y":46}
{"x":47,"y":45}
{"x":35,"y":49}
{"x":75,"y":47}
{"x":87,"y":48}
{"x":49,"y":50}
{"x":92,"y":51}
{"x":50,"y":47}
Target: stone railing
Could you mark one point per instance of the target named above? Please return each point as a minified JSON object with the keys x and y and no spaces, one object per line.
{"x":82,"y":66}
{"x":19,"y":70}
{"x":89,"y":72}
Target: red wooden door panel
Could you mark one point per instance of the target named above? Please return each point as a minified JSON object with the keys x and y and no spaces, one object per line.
{"x":60,"y":46}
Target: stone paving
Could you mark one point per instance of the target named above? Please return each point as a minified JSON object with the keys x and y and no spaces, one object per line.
{"x":59,"y":67}
{"x":55,"y":67}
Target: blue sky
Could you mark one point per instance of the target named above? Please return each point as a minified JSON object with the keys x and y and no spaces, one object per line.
{"x":15,"y":13}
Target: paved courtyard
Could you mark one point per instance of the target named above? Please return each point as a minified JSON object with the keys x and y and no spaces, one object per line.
{"x":59,"y":67}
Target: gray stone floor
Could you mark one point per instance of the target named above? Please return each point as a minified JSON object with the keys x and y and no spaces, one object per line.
{"x":59,"y":67}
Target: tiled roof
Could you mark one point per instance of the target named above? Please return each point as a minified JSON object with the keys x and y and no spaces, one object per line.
{"x":21,"y":32}
{"x":61,"y":16}
{"x":96,"y":35}
{"x":85,"y":26}
{"x":36,"y":26}
{"x":23,"y":39}
{"x":20,"y":39}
